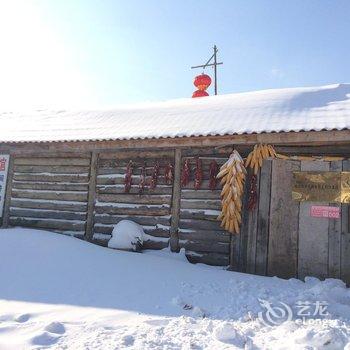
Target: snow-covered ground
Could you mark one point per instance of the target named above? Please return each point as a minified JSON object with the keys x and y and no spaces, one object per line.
{"x":59,"y":292}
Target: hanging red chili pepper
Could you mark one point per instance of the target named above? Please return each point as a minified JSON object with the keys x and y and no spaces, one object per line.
{"x":185,"y":176}
{"x":154,"y":178}
{"x":142,"y":179}
{"x":213,"y":172}
{"x":169,"y":174}
{"x":253,"y":196}
{"x":198,"y":175}
{"x":128,"y":177}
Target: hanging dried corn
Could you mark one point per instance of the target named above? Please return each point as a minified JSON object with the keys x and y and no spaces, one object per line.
{"x":154,"y":179}
{"x":232,"y":175}
{"x":213,"y":172}
{"x":198,"y":175}
{"x":257,"y":155}
{"x":128,"y":177}
{"x":185,"y":175}
{"x":142,"y":182}
{"x":169,"y":174}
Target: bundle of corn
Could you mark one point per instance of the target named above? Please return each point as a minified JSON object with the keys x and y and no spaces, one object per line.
{"x":232,"y":175}
{"x":257,"y":155}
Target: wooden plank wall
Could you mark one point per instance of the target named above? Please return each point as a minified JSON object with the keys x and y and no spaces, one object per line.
{"x":255,"y":228}
{"x":150,"y":209}
{"x":50,"y":193}
{"x":282,"y":238}
{"x":199,"y":230}
{"x":283,"y":230}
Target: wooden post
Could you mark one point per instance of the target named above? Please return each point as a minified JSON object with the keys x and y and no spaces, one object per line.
{"x":252,"y":228}
{"x":175,"y":205}
{"x":91,"y":197}
{"x":238,"y":243}
{"x":334,"y":235}
{"x":262,"y":234}
{"x":232,"y":256}
{"x":6,"y":212}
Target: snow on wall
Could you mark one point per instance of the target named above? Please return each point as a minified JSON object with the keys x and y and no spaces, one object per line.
{"x":278,"y":110}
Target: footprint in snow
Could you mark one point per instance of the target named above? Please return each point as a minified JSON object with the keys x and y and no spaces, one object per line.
{"x":6,"y":329}
{"x":5,"y":318}
{"x":128,"y":340}
{"x":44,"y":339}
{"x":56,"y":328}
{"x":22,"y":318}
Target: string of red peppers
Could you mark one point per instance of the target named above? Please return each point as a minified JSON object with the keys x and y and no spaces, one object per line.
{"x":253,"y":196}
{"x":169,"y":174}
{"x":198,"y":174}
{"x":128,"y":177}
{"x":142,"y":182}
{"x":213,"y":172}
{"x":154,"y":178}
{"x":185,"y":175}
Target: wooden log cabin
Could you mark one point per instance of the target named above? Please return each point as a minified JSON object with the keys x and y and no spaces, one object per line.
{"x":66,"y":174}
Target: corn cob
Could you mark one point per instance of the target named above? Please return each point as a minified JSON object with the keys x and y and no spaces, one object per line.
{"x":257,"y":155}
{"x":232,"y":175}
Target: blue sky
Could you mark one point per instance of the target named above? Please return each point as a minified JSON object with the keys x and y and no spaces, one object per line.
{"x":107,"y":52}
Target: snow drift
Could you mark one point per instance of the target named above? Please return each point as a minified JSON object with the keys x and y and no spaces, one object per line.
{"x":61,"y":292}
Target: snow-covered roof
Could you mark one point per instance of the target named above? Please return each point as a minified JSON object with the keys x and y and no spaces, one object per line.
{"x":278,"y":110}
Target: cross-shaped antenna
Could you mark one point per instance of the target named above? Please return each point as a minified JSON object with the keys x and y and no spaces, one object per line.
{"x":214,"y":64}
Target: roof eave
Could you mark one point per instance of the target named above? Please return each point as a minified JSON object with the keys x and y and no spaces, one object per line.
{"x":281,"y":138}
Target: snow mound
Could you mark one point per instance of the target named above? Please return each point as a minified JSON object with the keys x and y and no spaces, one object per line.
{"x":127,"y":235}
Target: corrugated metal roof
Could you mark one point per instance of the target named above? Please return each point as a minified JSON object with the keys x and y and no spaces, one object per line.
{"x":279,"y":110}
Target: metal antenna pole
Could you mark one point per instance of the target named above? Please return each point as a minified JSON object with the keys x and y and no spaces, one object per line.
{"x":215,"y":72}
{"x":215,"y":64}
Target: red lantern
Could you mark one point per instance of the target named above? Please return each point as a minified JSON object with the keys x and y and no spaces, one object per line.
{"x":202,"y":82}
{"x":199,"y":93}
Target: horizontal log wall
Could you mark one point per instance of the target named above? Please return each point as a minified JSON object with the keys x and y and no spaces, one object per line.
{"x":151,"y":209}
{"x":50,"y":192}
{"x":199,"y":230}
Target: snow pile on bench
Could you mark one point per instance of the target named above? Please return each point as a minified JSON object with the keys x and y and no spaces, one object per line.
{"x":127,"y":235}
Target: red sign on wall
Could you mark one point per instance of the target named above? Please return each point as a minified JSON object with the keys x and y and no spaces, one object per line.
{"x":323,"y":211}
{"x":3,"y":162}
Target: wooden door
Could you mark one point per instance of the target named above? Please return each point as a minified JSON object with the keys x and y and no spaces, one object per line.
{"x":300,"y":245}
